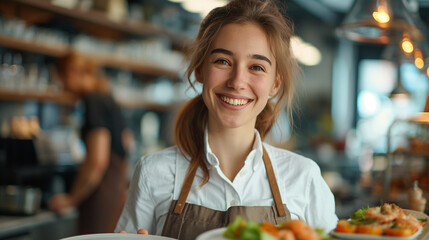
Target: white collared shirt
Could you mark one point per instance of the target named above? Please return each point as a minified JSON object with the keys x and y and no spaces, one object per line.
{"x":158,"y":179}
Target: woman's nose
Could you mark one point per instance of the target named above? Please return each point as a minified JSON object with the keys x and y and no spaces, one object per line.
{"x":238,"y":78}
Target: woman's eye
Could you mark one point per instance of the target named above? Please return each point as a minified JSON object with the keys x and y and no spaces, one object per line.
{"x":257,"y":68}
{"x":222,"y":61}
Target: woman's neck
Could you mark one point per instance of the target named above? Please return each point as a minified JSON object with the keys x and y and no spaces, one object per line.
{"x":231,"y":146}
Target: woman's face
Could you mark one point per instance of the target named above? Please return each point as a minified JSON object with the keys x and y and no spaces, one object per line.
{"x":238,"y":76}
{"x":77,"y":80}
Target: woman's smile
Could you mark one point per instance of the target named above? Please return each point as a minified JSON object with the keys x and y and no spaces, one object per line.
{"x":234,"y":101}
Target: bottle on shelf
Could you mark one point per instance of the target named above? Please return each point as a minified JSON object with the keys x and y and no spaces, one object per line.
{"x":415,"y":198}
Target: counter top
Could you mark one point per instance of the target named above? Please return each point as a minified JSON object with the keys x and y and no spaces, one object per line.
{"x":12,"y":225}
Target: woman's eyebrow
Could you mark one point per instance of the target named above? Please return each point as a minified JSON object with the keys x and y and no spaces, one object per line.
{"x":261,"y":57}
{"x":221,"y":50}
{"x":254,"y":56}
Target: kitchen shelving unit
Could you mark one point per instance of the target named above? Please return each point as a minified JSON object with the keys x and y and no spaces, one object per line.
{"x":96,"y":24}
{"x":416,"y":130}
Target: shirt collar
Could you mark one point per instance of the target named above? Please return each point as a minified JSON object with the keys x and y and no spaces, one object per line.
{"x":251,"y":159}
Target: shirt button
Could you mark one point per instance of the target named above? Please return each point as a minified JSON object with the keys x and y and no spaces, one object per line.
{"x":244,"y":172}
{"x":234,"y":202}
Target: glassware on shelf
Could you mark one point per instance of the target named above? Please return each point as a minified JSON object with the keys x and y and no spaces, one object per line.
{"x":17,"y":75}
{"x":5,"y":81}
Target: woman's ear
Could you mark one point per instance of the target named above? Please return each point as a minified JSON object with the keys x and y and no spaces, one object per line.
{"x":276,"y":86}
{"x":198,"y":75}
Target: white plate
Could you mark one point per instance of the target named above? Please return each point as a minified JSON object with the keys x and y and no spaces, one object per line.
{"x":357,"y":236}
{"x":215,"y":234}
{"x":117,"y":236}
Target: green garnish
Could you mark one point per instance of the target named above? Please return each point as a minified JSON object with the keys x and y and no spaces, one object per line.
{"x":422,"y":220}
{"x":232,"y":227}
{"x":359,"y":214}
{"x":248,"y":230}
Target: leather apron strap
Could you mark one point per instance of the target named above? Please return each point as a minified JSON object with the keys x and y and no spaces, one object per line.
{"x":271,"y":179}
{"x":273,"y":184}
{"x":185,"y":191}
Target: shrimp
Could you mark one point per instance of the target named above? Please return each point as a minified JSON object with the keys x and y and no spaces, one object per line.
{"x":286,"y":235}
{"x":301,"y":230}
{"x":406,"y":220}
{"x":384,"y":214}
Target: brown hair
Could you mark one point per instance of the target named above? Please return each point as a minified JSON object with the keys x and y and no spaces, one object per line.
{"x":192,"y":119}
{"x":87,"y":65}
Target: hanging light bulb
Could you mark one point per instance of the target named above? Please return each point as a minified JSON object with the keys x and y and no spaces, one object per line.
{"x":406,"y":44}
{"x":379,"y":21}
{"x":381,"y":14}
{"x":399,"y":92}
{"x":419,"y":62}
{"x":418,"y":58}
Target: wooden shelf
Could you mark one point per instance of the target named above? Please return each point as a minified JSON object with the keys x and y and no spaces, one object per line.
{"x":157,"y":107}
{"x":60,"y":98}
{"x":67,"y":99}
{"x":134,"y":65}
{"x":411,"y":154}
{"x":106,"y":60}
{"x":20,"y":44}
{"x":98,"y":19}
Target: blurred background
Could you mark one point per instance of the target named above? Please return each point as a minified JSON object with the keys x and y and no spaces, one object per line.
{"x":360,"y":112}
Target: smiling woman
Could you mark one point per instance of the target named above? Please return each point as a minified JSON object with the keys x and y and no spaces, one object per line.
{"x":235,"y":72}
{"x":220,"y":168}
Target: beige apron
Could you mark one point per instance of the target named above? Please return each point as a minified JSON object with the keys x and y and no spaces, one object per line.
{"x":187,"y":221}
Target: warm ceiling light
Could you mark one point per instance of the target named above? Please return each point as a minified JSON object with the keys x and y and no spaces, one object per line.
{"x":406,"y":45}
{"x":418,"y":58}
{"x":382,"y":13}
{"x":427,"y":71}
{"x":379,"y":21}
{"x":381,"y":16}
{"x":419,"y":62}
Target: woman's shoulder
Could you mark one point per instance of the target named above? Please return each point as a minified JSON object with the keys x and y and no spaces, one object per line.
{"x":165,"y":155}
{"x":162,"y":160}
{"x":152,"y":166}
{"x":287,"y":158}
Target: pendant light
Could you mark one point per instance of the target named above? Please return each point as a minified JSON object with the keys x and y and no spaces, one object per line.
{"x":379,"y":21}
{"x":399,"y":92}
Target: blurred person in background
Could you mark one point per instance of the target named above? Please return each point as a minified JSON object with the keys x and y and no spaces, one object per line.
{"x":99,"y":190}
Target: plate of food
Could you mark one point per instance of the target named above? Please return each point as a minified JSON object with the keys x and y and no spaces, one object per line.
{"x":387,"y":221}
{"x":241,"y":229}
{"x":116,"y":236}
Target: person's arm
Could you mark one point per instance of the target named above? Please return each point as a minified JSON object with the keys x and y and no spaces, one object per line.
{"x":90,"y":173}
{"x":320,"y":212}
{"x":94,"y":167}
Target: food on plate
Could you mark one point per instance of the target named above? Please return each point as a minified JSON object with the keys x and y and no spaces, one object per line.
{"x":291,"y":230}
{"x":387,"y":220}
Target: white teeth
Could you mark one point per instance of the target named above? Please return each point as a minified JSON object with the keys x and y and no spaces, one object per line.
{"x":235,"y":102}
